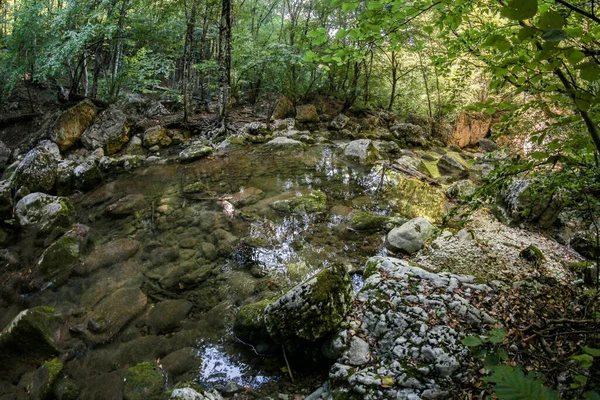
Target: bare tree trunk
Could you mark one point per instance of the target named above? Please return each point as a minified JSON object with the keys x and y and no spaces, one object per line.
{"x":188,"y":63}
{"x":224,"y":61}
{"x":84,"y":78}
{"x":394,"y":63}
{"x":426,"y":85}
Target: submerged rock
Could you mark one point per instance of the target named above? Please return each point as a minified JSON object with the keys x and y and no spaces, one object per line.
{"x":110,"y":131}
{"x":167,"y":315}
{"x":311,"y":310}
{"x":118,"y":250}
{"x":72,"y":123}
{"x":44,"y":378}
{"x":5,"y":155}
{"x":61,"y":254}
{"x":410,"y":237}
{"x":144,"y":381}
{"x":284,"y":143}
{"x":313,"y":202}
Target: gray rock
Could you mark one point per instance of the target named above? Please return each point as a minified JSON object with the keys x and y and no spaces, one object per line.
{"x":412,"y":134}
{"x":479,"y":171}
{"x":339,"y":122}
{"x":487,"y":145}
{"x":72,"y":175}
{"x":36,"y":173}
{"x":47,"y":213}
{"x":460,"y":189}
{"x":6,"y":200}
{"x":194,"y":152}
{"x":181,"y":364}
{"x":312,"y":309}
{"x":284,"y":143}
{"x":116,"y":251}
{"x":358,"y":353}
{"x":362,"y":151}
{"x":109,"y":131}
{"x":454,"y":166}
{"x":5,"y":155}
{"x":134,"y":147}
{"x":256,"y":128}
{"x":60,"y":255}
{"x":307,"y":113}
{"x":156,"y":136}
{"x":411,"y":236}
{"x":72,"y":123}
{"x":525,"y":200}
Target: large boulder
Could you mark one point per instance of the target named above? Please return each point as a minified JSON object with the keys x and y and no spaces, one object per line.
{"x":284,"y":143}
{"x":110,"y":131}
{"x":46,"y":213}
{"x":363,"y":151}
{"x":410,"y":237}
{"x":412,"y":134}
{"x":311,"y":310}
{"x":454,"y":166}
{"x":339,"y":122}
{"x":527,"y":200}
{"x":61,"y":255}
{"x":470,"y":128}
{"x":72,"y":123}
{"x":250,"y":325}
{"x":283,"y":109}
{"x":413,"y":198}
{"x":156,"y":136}
{"x":144,"y":381}
{"x":307,"y":113}
{"x":73,"y":175}
{"x":5,"y":155}
{"x":37,"y":172}
{"x":312,"y":202}
{"x":29,"y":339}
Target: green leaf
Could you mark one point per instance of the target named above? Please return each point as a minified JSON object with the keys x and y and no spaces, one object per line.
{"x":520,"y":9}
{"x":550,"y":20}
{"x":554,"y":35}
{"x":525,"y":33}
{"x":498,"y":41}
{"x":591,"y":395}
{"x":497,"y":335}
{"x":539,"y":155}
{"x":591,"y":351}
{"x":491,"y":361}
{"x":583,"y":100}
{"x":340,"y":34}
{"x":472,"y":341}
{"x":574,"y":56}
{"x":589,"y":71}
{"x":511,"y":384}
{"x":490,"y":110}
{"x":348,"y":7}
{"x":584,"y":360}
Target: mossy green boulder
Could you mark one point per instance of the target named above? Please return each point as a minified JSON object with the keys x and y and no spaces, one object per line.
{"x":72,"y":123}
{"x":250,"y":325}
{"x":47,"y":213}
{"x":144,"y":381}
{"x":44,"y":379}
{"x":58,"y":257}
{"x":312,"y":309}
{"x":313,"y":202}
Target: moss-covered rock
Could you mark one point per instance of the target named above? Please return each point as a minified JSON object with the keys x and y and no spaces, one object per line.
{"x":156,"y":136}
{"x":362,"y":151}
{"x":453,"y":165}
{"x":72,"y":123}
{"x":195,"y":152}
{"x":532,"y":254}
{"x":365,"y":221}
{"x":313,"y":202}
{"x":109,"y":131}
{"x":412,"y":198}
{"x":44,"y":379}
{"x":144,"y":381}
{"x":250,"y":325}
{"x":6,"y":200}
{"x":45,"y":212}
{"x":58,"y":257}
{"x":36,"y":173}
{"x":312,"y":309}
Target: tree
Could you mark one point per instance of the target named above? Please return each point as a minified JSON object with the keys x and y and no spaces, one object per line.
{"x":224,"y":62}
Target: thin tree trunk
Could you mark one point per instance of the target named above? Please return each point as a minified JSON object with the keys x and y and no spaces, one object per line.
{"x":224,"y":61}
{"x":426,"y":85}
{"x":394,"y":80}
{"x":188,"y":63}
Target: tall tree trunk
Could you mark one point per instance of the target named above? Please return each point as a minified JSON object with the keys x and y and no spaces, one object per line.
{"x":187,"y":87}
{"x":426,"y":85}
{"x":394,"y":80}
{"x":224,"y":61}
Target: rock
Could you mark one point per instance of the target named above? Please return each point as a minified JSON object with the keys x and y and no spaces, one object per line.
{"x":61,"y":254}
{"x":460,"y":189}
{"x":284,"y":143}
{"x":364,"y":221}
{"x":110,"y":131}
{"x":590,"y":275}
{"x":307,"y":113}
{"x":487,"y":145}
{"x":132,"y":204}
{"x":358,"y":353}
{"x":144,"y":381}
{"x":114,"y":312}
{"x":427,"y":124}
{"x":44,"y":212}
{"x":454,"y":166}
{"x":250,"y":325}
{"x":339,"y":122}
{"x":117,"y":251}
{"x":72,"y":123}
{"x":362,"y":151}
{"x":72,"y":175}
{"x":412,"y":134}
{"x":413,"y":198}
{"x":44,"y":378}
{"x":5,"y":156}
{"x":167,"y":315}
{"x":313,"y":202}
{"x":36,"y":173}
{"x":134,"y":146}
{"x":194,"y":152}
{"x":532,"y":254}
{"x":156,"y":109}
{"x":182,"y":364}
{"x":246,"y":197}
{"x":312,"y":309}
{"x":479,"y":171}
{"x":470,"y":128}
{"x":283,"y":109}
{"x":410,"y":237}
{"x":31,"y":337}
{"x":256,"y":128}
{"x":529,"y":200}
{"x":412,"y":167}
{"x":6,"y":200}
{"x":156,"y":136}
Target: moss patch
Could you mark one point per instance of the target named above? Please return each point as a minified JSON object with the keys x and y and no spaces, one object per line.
{"x":144,"y":381}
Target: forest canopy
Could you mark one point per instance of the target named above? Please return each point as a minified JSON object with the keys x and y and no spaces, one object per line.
{"x":531,"y":58}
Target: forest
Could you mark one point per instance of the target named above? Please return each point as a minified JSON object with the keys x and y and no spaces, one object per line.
{"x":299,"y":199}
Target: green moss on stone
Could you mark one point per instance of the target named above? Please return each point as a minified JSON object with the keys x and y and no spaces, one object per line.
{"x":364,"y":221}
{"x":144,"y":381}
